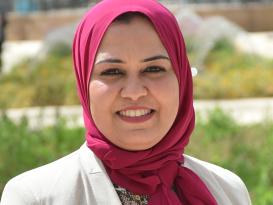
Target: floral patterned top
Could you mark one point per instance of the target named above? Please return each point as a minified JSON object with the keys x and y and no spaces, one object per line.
{"x":128,"y":198}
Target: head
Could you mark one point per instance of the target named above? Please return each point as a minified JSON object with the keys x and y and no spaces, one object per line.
{"x":133,"y":76}
{"x":133,"y":90}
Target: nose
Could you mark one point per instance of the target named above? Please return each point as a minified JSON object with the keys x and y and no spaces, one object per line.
{"x":133,"y":89}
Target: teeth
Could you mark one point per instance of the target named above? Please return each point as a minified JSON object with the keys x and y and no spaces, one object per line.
{"x":134,"y":113}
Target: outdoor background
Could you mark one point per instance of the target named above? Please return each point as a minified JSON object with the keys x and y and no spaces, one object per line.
{"x":230,"y":47}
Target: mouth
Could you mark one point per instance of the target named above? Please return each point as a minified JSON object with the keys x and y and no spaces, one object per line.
{"x":135,"y":115}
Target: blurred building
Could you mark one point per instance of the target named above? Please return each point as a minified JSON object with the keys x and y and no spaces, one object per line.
{"x":5,"y":5}
{"x":221,"y":1}
{"x":26,"y":6}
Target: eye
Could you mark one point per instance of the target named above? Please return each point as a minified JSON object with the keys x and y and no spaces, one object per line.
{"x":154,"y":69}
{"x":111,"y":72}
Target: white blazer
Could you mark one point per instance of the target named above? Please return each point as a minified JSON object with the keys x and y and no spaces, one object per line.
{"x":80,"y":179}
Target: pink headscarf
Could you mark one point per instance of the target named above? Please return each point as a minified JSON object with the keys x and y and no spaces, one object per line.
{"x":154,"y":171}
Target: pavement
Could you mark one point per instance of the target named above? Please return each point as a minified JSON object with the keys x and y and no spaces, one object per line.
{"x":243,"y":111}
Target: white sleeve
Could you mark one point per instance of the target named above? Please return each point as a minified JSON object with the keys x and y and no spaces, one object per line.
{"x":17,"y":193}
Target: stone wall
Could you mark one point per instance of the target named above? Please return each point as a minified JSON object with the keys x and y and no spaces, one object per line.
{"x":252,"y":17}
{"x":35,"y":26}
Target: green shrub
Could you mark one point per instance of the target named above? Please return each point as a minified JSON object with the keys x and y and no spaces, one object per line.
{"x":60,"y":50}
{"x":48,"y":82}
{"x":22,"y":149}
{"x":245,"y":150}
{"x":229,"y":73}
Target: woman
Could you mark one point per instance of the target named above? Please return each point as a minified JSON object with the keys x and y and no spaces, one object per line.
{"x":135,"y":87}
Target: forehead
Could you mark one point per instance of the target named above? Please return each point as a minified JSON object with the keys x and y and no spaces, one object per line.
{"x":138,"y":33}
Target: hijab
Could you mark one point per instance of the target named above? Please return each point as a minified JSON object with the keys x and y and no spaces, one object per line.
{"x":158,"y":170}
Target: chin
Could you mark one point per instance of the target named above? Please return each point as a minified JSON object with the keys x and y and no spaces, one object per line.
{"x":137,"y":146}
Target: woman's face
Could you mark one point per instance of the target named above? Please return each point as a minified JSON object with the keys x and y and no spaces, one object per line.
{"x":134,"y":93}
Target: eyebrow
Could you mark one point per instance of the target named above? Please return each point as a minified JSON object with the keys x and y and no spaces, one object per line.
{"x":116,"y":60}
{"x":157,"y":57}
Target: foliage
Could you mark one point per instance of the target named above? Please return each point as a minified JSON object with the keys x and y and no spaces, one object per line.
{"x":246,"y":150}
{"x":229,"y":73}
{"x":49,"y":81}
{"x":22,"y":148}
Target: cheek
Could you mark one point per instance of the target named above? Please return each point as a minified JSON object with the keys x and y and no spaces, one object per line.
{"x":101,"y":97}
{"x":166,"y":91}
{"x":96,"y":93}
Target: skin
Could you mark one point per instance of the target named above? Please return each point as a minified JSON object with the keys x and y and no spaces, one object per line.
{"x":133,"y":71}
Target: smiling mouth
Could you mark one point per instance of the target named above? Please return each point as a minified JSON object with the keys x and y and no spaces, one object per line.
{"x":136,"y":115}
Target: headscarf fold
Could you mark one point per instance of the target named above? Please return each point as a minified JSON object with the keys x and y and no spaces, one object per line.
{"x":159,"y":170}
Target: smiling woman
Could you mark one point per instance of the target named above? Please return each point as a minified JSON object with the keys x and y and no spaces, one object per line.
{"x":130,"y":98}
{"x":135,"y":86}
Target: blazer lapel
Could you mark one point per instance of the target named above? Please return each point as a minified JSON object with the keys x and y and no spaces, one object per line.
{"x":101,"y":185}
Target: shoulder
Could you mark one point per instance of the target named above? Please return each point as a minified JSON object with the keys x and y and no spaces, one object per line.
{"x":226,"y":186}
{"x":40,"y":184}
